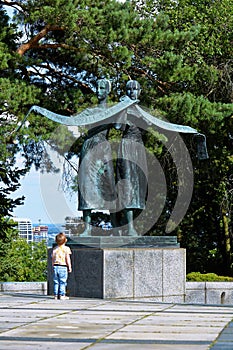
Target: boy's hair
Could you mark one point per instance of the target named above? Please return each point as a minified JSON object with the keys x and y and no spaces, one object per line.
{"x":60,"y":238}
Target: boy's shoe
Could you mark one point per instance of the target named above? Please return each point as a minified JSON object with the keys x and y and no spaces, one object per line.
{"x":63,"y":297}
{"x":55,"y":297}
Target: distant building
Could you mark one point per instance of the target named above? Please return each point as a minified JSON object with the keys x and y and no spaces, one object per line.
{"x":30,"y":233}
{"x":40,"y":233}
{"x":25,"y":229}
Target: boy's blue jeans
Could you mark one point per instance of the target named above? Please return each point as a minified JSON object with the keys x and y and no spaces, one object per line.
{"x":60,"y":275}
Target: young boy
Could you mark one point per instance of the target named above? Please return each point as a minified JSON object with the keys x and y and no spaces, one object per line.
{"x":61,"y":266}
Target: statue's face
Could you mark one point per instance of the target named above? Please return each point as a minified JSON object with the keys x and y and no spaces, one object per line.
{"x":133,"y":90}
{"x":102,"y":90}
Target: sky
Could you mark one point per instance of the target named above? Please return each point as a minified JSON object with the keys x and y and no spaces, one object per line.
{"x":45,"y":201}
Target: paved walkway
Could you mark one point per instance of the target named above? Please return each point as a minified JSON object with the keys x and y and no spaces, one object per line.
{"x":38,"y":322}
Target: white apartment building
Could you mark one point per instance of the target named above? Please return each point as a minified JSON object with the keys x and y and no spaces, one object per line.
{"x":25,"y":228}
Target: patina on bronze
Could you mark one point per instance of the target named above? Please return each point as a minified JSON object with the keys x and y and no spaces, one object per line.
{"x":96,"y":180}
{"x":131,"y":166}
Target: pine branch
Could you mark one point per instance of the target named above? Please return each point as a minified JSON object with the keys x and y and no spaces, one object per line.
{"x":61,"y":75}
{"x":33,"y":43}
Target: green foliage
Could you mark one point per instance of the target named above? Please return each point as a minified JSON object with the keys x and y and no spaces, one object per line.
{"x":9,"y":182}
{"x":22,"y":262}
{"x":211,"y":49}
{"x":207,"y":277}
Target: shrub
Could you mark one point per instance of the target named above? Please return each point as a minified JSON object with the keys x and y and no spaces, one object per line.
{"x":207,"y":277}
{"x":23,"y":262}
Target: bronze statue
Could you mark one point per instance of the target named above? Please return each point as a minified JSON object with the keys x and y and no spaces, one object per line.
{"x":96,"y":180}
{"x":97,"y":187}
{"x":131,"y":166}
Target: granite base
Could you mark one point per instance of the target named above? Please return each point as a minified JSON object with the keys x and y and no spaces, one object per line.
{"x":157,"y":273}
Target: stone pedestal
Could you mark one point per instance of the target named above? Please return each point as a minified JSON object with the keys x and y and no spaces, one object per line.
{"x":137,"y":268}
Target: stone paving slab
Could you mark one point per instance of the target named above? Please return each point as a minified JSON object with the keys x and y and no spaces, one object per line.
{"x":39,"y":322}
{"x":225,"y":339}
{"x":147,"y":347}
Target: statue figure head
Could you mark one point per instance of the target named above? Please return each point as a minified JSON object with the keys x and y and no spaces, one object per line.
{"x":103,"y":89}
{"x":133,"y":89}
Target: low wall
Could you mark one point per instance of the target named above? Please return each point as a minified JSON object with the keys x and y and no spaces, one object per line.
{"x":209,"y":293}
{"x":24,"y":287}
{"x":196,"y":292}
